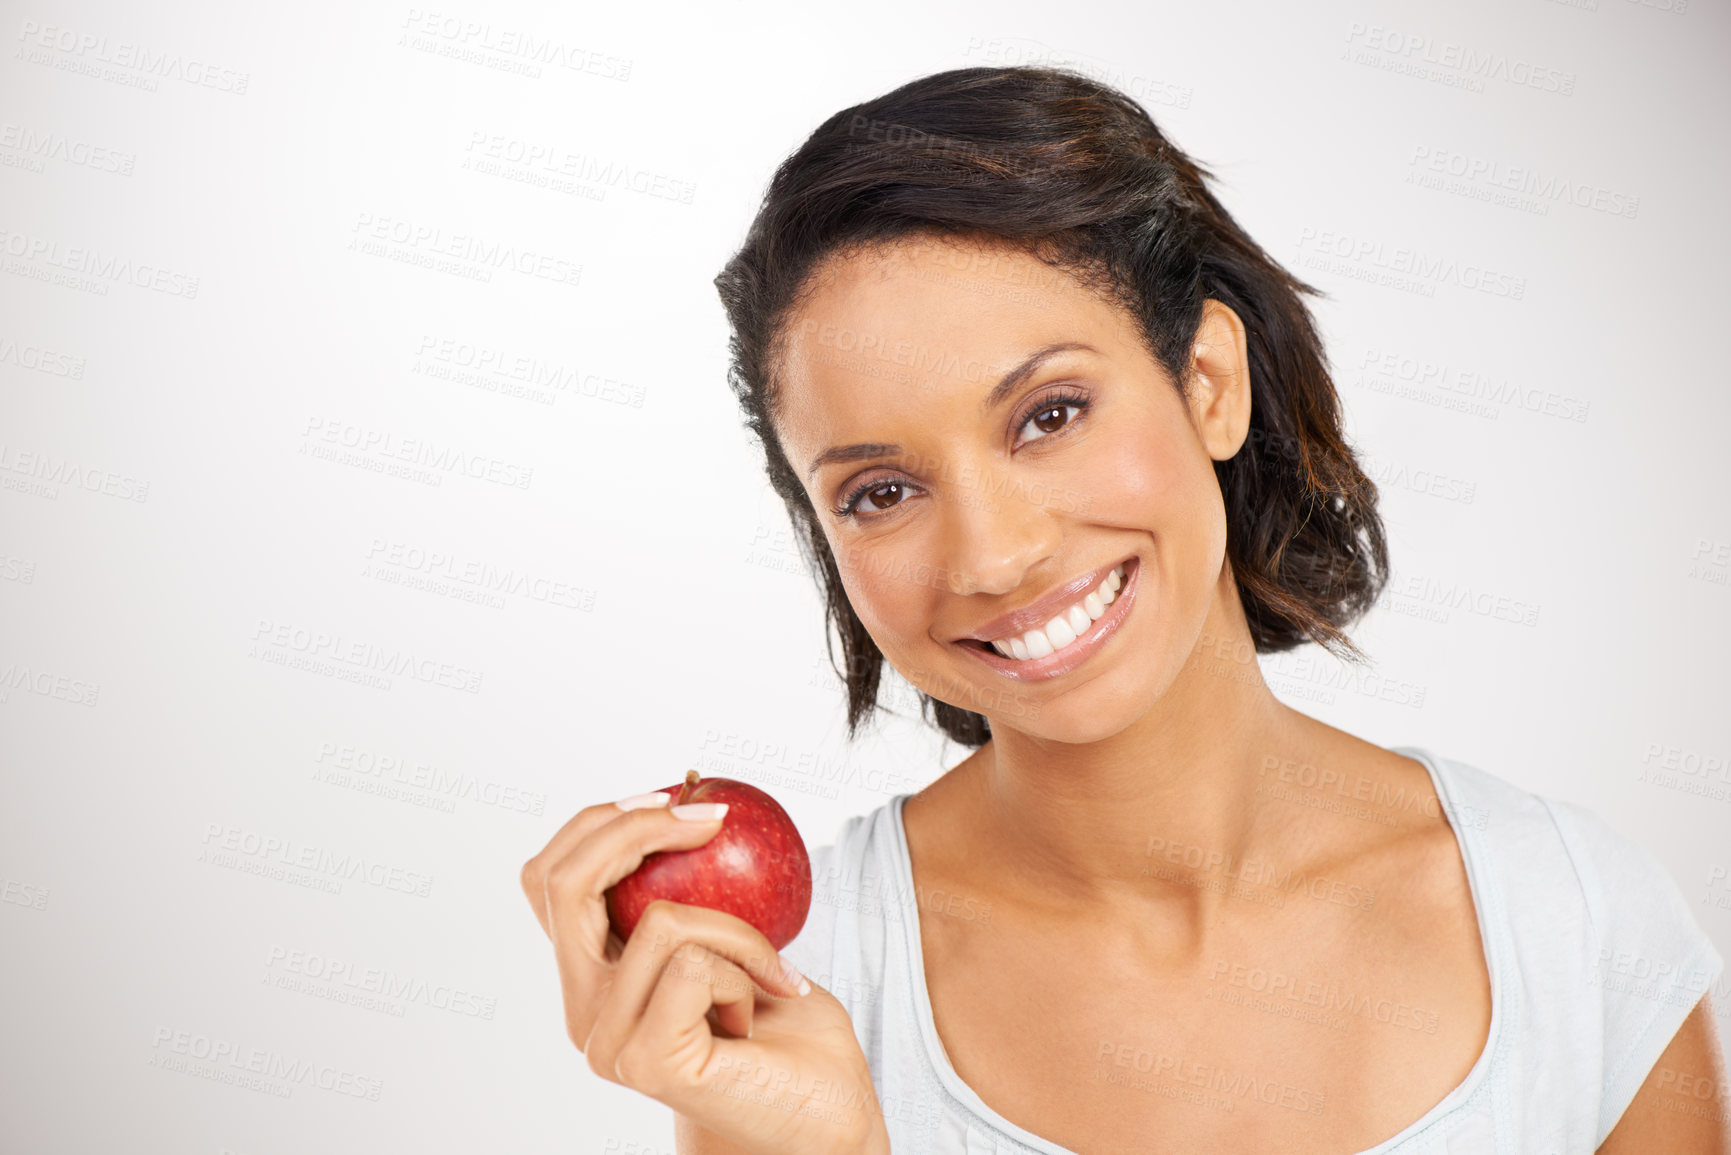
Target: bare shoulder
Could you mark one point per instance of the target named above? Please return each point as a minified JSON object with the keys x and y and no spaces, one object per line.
{"x":1684,"y":1105}
{"x":1381,"y":810}
{"x":1376,"y":820}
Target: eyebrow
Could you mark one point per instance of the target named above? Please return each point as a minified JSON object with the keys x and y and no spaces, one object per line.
{"x":1009,"y":384}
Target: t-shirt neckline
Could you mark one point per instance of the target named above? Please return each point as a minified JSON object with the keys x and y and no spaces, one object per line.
{"x":1479,"y":884}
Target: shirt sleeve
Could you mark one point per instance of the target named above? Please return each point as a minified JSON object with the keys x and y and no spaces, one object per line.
{"x":1652,"y":961}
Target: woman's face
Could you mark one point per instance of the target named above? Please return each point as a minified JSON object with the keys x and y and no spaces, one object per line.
{"x":991,"y":437}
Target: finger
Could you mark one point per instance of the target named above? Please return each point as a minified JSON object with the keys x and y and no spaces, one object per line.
{"x":733,"y":994}
{"x":667,"y":926}
{"x":584,"y":823}
{"x":576,"y":905}
{"x":534,"y":873}
{"x":734,"y":1021}
{"x":666,"y":1042}
{"x":720,"y":984}
{"x":610,"y":850}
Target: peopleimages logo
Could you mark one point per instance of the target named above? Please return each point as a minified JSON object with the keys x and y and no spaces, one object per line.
{"x":341,"y":980}
{"x":1426,"y":57}
{"x":407,"y":561}
{"x":1464,"y":385}
{"x":413,"y":451}
{"x":364,"y":766}
{"x":1542,"y":187}
{"x":16,"y":676}
{"x":226,"y":843}
{"x":481,"y":42}
{"x":36,"y":146}
{"x":1405,"y":265}
{"x":87,"y":52}
{"x":256,"y":1068}
{"x":90,"y":268}
{"x":465,"y":253}
{"x":547,"y":165}
{"x":519,"y":374}
{"x":282,"y":642}
{"x":40,"y":359}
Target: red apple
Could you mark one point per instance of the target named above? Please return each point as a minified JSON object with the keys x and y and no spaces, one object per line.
{"x":756,"y":866}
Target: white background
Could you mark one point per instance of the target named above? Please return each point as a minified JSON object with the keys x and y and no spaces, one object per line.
{"x":171,"y":540}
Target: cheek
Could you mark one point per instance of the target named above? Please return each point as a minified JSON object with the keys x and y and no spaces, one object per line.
{"x":884,"y":587}
{"x":1159,"y":481}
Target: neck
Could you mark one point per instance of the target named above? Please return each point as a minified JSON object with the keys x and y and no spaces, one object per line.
{"x":1160,"y":810}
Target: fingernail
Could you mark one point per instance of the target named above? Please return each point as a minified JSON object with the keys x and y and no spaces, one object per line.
{"x":699,"y":811}
{"x":794,"y":978}
{"x":643,"y":801}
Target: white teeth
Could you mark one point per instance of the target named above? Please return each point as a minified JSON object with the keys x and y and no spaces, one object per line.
{"x":1067,"y":626}
{"x":1060,"y":632}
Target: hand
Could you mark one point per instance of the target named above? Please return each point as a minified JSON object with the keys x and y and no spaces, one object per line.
{"x":698,"y":1010}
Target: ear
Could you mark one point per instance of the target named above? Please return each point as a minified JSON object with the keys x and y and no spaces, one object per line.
{"x":1219,"y":395}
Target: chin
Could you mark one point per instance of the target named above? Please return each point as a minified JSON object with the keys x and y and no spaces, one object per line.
{"x":1094,"y":710}
{"x":1091,"y":712}
{"x":1076,"y":731}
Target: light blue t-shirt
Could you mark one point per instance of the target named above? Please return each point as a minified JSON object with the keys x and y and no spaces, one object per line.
{"x":1595,"y":959}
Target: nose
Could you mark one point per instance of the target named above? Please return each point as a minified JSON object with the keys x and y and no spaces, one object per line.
{"x":997,"y":533}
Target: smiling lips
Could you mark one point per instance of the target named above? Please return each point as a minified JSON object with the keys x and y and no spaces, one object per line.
{"x":1067,"y":626}
{"x":1060,"y":631}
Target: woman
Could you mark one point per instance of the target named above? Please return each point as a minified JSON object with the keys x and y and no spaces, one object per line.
{"x":1063,"y":445}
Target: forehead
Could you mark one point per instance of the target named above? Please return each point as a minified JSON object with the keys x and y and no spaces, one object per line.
{"x":922,"y":323}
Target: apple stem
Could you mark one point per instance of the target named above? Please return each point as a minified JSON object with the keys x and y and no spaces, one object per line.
{"x":690,"y":784}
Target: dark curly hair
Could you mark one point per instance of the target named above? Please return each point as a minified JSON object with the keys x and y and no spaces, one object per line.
{"x":1077,"y":174}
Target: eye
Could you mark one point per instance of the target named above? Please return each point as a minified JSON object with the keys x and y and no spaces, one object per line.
{"x":881,"y":495}
{"x":1047,"y":415}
